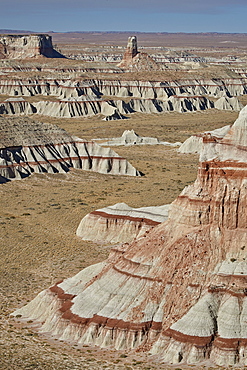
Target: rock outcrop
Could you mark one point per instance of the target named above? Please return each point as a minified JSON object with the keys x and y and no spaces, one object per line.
{"x":115,"y":109}
{"x":130,"y":52}
{"x":65,"y":89}
{"x":27,"y":46}
{"x":194,"y":144}
{"x":120,"y":223}
{"x":134,"y":60}
{"x":227,"y":103}
{"x":17,"y":106}
{"x":179,"y":291}
{"x":111,"y":109}
{"x":27,"y":146}
{"x":130,"y":137}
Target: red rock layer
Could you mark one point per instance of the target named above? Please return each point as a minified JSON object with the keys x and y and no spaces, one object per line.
{"x":123,"y":217}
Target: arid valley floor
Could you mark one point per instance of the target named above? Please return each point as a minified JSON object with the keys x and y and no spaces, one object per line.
{"x":40,"y":214}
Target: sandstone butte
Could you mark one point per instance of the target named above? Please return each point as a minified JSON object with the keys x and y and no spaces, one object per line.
{"x":180,"y":290}
{"x":27,"y":46}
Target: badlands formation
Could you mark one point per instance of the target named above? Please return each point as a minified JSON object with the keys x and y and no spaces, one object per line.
{"x":77,"y":99}
{"x":108,"y":97}
{"x":179,"y":290}
{"x":28,"y":146}
{"x":173,"y":288}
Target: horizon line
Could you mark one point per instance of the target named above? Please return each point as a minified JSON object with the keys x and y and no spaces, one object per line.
{"x":144,"y":32}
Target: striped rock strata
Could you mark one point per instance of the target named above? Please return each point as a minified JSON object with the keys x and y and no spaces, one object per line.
{"x":109,"y":108}
{"x":27,"y":147}
{"x":88,"y":106}
{"x":17,"y":106}
{"x":137,"y":89}
{"x":60,"y":88}
{"x":120,"y":223}
{"x":164,"y":89}
{"x":27,"y":46}
{"x":179,"y":291}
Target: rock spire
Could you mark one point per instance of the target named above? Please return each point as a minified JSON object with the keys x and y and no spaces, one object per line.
{"x":130,"y":53}
{"x":131,"y":50}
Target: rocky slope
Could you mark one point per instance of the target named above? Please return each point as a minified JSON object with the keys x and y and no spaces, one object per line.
{"x":120,"y":223}
{"x":27,"y":46}
{"x":194,"y":144}
{"x":180,"y":290}
{"x":17,"y":106}
{"x":27,"y":146}
{"x":111,"y":109}
{"x":67,"y":88}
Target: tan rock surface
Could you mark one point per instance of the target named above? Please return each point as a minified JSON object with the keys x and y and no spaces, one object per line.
{"x":27,"y":46}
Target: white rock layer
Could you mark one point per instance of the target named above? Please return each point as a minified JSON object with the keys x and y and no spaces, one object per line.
{"x":120,"y":223}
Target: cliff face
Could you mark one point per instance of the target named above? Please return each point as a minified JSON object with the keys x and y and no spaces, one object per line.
{"x":221,"y":89}
{"x":179,"y":291}
{"x":27,"y":46}
{"x":109,"y":108}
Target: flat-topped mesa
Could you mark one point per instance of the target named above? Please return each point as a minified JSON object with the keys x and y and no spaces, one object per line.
{"x":27,"y":46}
{"x":179,"y":290}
